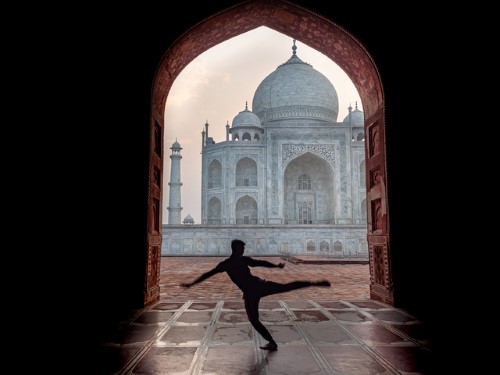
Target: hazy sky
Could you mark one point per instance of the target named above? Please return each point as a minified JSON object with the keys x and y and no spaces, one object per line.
{"x":215,"y":87}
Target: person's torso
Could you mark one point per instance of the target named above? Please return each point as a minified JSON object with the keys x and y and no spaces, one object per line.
{"x":238,"y":270}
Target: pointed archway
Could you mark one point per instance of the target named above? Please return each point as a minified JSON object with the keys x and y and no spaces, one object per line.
{"x":322,"y":35}
{"x":315,"y":189}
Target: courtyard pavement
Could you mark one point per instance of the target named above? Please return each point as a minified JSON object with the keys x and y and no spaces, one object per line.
{"x":204,"y":329}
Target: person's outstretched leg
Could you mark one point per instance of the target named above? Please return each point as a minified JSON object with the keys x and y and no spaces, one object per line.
{"x":271,"y":287}
{"x":252,"y":309}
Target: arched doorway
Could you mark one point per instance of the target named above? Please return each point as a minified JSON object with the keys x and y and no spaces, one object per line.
{"x":335,"y":43}
{"x":309,"y":185}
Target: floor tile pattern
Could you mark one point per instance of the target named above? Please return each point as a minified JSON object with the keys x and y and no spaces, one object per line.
{"x":317,"y":332}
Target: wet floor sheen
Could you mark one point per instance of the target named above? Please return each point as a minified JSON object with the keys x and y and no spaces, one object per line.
{"x":204,"y":329}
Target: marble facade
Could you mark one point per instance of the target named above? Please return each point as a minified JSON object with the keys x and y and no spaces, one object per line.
{"x":341,"y":241}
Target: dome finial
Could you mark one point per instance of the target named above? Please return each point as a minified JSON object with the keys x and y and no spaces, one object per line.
{"x":246,"y":105}
{"x":356,"y":104}
{"x":294,"y":48}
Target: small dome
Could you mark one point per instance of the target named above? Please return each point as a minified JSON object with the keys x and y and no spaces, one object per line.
{"x":188,"y":220}
{"x":355,"y":117}
{"x":246,"y":118}
{"x":176,"y":146}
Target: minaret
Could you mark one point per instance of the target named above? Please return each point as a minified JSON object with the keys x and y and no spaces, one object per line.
{"x":350,"y":111}
{"x":174,"y":200}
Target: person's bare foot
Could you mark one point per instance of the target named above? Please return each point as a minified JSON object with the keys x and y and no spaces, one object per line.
{"x":322,"y":283}
{"x":272,"y":346}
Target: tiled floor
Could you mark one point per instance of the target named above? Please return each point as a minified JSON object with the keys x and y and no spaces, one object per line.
{"x":204,"y":329}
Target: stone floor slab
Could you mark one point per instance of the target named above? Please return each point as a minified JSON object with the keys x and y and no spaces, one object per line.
{"x":205,"y":330}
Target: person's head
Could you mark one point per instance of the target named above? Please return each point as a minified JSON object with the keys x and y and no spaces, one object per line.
{"x":237,"y":247}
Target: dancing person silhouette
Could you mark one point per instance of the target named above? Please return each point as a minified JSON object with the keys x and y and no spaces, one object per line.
{"x":253,"y":287}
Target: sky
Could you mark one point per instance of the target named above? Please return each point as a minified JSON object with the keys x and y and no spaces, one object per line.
{"x":216,"y":86}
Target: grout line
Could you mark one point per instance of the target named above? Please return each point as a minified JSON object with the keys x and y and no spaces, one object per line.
{"x":259,"y":353}
{"x":317,"y":355}
{"x":158,"y":334}
{"x":389,"y":327}
{"x":201,"y":353}
{"x":362,"y":344}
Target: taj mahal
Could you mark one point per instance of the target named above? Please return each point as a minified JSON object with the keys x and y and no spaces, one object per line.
{"x":288,"y":178}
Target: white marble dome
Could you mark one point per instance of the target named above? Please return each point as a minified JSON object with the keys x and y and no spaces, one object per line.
{"x":355,"y":117}
{"x":176,"y":146}
{"x":188,"y":220}
{"x":246,"y":118}
{"x":296,"y":90}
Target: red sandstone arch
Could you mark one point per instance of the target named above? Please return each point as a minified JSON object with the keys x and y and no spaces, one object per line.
{"x":322,"y":35}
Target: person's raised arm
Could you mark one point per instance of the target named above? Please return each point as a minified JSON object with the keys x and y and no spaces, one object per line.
{"x":202,"y":277}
